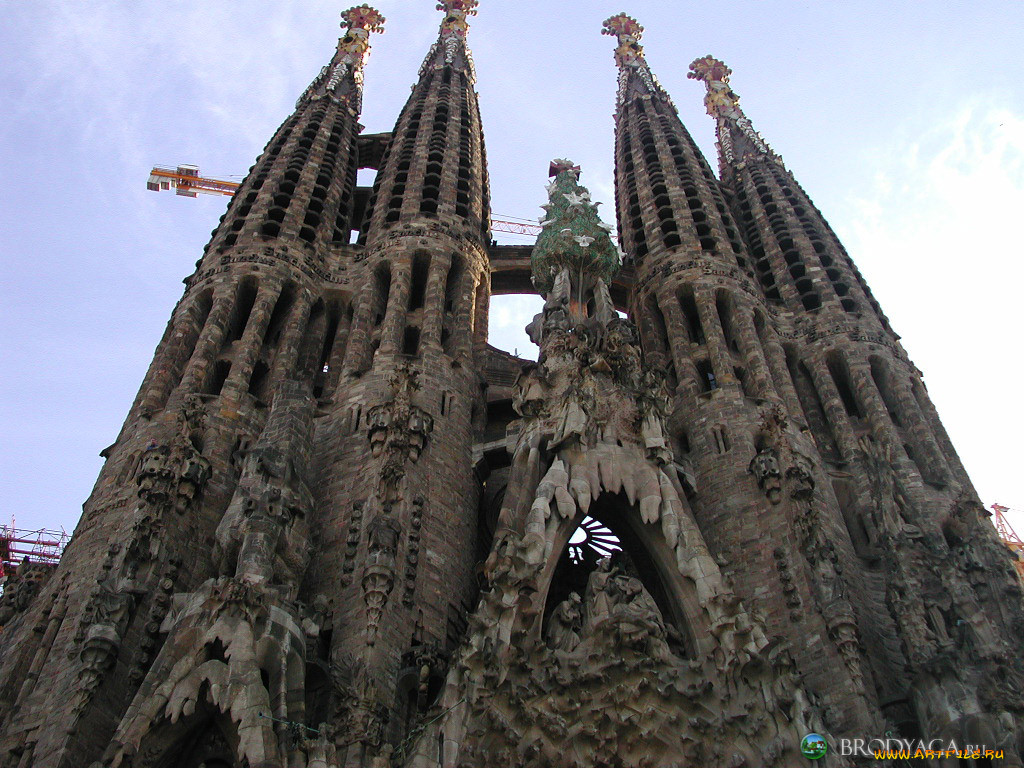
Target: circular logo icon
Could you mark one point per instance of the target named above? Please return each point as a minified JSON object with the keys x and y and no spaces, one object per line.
{"x":813,"y":746}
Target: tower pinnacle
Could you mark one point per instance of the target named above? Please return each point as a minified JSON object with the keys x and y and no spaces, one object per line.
{"x":451,"y":40}
{"x":736,"y":136}
{"x":629,"y":56}
{"x":342,"y":79}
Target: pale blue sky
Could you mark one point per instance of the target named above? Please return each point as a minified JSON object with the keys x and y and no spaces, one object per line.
{"x":903,"y":120}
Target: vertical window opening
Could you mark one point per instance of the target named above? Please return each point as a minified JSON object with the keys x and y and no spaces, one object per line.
{"x":279,"y":315}
{"x":708,"y":381}
{"x":841,"y":377}
{"x":418,"y":291}
{"x":451,"y":291}
{"x":721,"y":439}
{"x":243,"y":306}
{"x":411,"y":341}
{"x":684,"y":441}
{"x":257,"y":381}
{"x":658,"y":319}
{"x":689,"y":306}
{"x":725,"y":319}
{"x":221,"y":369}
{"x":382,"y":293}
{"x":880,"y":375}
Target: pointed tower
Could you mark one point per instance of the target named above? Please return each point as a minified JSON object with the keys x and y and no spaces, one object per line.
{"x":247,"y":342}
{"x":899,"y":488}
{"x":397,"y":491}
{"x":337,"y":530}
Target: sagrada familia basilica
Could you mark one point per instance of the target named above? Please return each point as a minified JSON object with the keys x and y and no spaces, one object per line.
{"x":338,"y":529}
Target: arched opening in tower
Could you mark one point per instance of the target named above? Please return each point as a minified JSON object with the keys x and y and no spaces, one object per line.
{"x":606,"y":553}
{"x":207,"y":739}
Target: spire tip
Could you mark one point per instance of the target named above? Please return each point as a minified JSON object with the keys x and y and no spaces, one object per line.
{"x":628,"y":31}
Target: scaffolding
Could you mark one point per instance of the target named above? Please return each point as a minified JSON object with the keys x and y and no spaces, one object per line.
{"x":20,"y":545}
{"x":1009,"y":536}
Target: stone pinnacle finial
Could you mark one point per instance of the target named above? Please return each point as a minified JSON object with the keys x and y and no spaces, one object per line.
{"x":358,"y":22}
{"x":450,"y":48}
{"x":342,"y":79}
{"x":629,"y":56}
{"x":736,"y":136}
{"x":721,"y":100}
{"x":628,"y":32}
{"x":456,"y":14}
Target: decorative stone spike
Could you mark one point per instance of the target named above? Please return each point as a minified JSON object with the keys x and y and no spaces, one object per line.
{"x":736,"y":135}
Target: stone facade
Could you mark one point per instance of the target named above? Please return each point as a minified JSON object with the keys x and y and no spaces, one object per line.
{"x":339,"y":530}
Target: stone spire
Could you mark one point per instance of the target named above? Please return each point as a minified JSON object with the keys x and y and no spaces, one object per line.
{"x":635,"y":76}
{"x":342,"y":79}
{"x":737,"y":138}
{"x":450,"y":48}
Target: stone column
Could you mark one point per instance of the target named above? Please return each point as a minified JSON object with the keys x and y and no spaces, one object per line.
{"x":917,"y":425}
{"x":287,"y":355}
{"x":776,"y":357}
{"x":357,"y":354}
{"x":679,"y":343}
{"x":433,"y":302}
{"x":171,"y":356}
{"x":757,"y":366}
{"x":251,"y":343}
{"x":210,"y":342}
{"x":481,"y":306}
{"x":874,"y":407}
{"x":718,"y":351}
{"x":398,"y":305}
{"x":336,"y":359}
{"x":832,"y":404}
{"x":462,"y":338}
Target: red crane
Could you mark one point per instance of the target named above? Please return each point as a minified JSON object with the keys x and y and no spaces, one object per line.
{"x":187,"y":181}
{"x":1009,"y":536}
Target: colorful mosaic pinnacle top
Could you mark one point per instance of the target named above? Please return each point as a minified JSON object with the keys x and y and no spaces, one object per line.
{"x":628,"y":31}
{"x":572,"y":234}
{"x":456,"y":14}
{"x":363,"y":17}
{"x":721,"y":101}
{"x":358,"y":23}
{"x":737,"y":138}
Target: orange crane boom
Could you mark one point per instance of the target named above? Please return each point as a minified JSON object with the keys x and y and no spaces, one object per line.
{"x":186,"y":181}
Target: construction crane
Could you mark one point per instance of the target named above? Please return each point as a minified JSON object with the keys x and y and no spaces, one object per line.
{"x":188,"y":182}
{"x":18,"y":545}
{"x":1009,"y":536}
